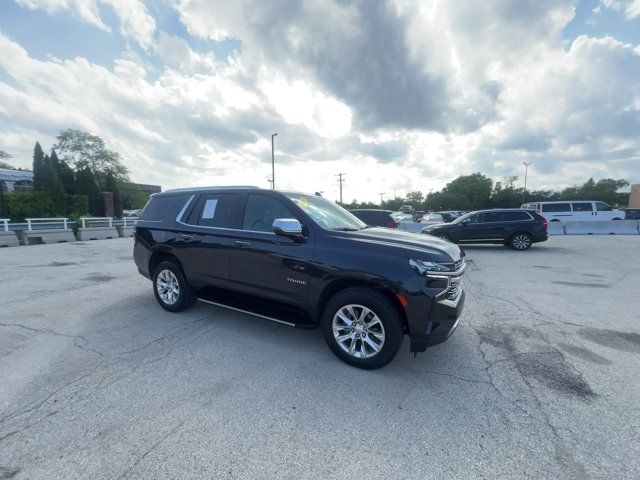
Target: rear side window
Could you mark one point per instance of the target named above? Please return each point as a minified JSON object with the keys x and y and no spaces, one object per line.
{"x":493,"y":217}
{"x":158,"y":207}
{"x":556,"y":207}
{"x":515,"y":216}
{"x":215,"y":210}
{"x":582,"y":207}
{"x":261,"y":211}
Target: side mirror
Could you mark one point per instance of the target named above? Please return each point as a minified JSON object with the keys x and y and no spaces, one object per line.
{"x":288,"y":227}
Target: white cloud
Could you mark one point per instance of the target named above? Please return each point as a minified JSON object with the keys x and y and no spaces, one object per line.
{"x":135,"y":20}
{"x":402,"y":95}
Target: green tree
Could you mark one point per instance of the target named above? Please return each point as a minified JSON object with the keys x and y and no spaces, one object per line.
{"x":83,"y":150}
{"x":51,"y":184}
{"x":415,"y":199}
{"x":86,"y":185}
{"x":4,"y":156}
{"x":393,"y":203}
{"x":112,"y":186}
{"x":39,"y":168}
{"x":64,"y":172}
{"x":467,"y":192}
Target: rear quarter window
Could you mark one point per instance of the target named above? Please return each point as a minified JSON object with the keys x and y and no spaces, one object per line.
{"x":158,"y":207}
{"x":515,"y":216}
{"x":556,"y":207}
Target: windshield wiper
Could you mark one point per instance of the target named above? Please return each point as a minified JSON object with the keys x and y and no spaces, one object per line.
{"x":345,"y":229}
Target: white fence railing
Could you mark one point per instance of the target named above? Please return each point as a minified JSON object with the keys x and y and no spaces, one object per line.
{"x":5,"y":224}
{"x":31,"y":222}
{"x":129,"y":221}
{"x":107,"y":220}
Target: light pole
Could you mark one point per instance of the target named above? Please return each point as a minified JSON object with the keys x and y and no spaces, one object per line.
{"x":524,"y":191}
{"x":381,"y":198}
{"x":340,"y":181}
{"x":273,"y":163}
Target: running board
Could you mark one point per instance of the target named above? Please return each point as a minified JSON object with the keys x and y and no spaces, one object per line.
{"x":248,"y":312}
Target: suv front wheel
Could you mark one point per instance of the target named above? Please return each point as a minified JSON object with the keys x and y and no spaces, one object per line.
{"x":362,"y":328}
{"x":171,"y":288}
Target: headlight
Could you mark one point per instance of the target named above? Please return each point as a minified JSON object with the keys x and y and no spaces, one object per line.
{"x":423,"y":267}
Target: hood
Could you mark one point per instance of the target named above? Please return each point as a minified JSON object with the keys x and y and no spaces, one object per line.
{"x":411,"y":242}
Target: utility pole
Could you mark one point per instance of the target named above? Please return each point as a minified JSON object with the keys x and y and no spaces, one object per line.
{"x":524,"y":191}
{"x":341,"y":181}
{"x":381,"y":198}
{"x":273,"y":164}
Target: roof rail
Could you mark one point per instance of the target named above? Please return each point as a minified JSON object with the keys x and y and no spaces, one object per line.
{"x":220,"y":187}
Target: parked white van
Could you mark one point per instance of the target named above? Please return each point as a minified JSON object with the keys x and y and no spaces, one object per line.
{"x":578,"y":210}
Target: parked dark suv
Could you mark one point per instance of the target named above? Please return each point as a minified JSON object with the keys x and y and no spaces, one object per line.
{"x":376,"y":218}
{"x":304,"y":261}
{"x":516,"y":228}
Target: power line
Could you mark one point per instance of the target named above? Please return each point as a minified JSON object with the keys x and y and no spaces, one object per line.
{"x":341,"y":181}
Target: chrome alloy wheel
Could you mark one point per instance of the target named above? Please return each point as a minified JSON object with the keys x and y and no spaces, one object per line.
{"x":168,"y":287}
{"x":521,"y":242}
{"x":358,"y":331}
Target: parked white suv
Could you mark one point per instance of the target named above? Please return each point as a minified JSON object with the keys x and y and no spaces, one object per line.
{"x":578,"y":210}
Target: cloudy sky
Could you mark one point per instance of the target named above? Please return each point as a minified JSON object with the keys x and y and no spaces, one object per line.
{"x":399,"y":95}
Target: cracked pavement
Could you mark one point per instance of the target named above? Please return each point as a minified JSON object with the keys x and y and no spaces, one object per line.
{"x":540,"y":380}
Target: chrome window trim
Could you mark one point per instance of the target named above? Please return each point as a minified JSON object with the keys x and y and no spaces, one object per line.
{"x":182,"y":212}
{"x":184,"y":208}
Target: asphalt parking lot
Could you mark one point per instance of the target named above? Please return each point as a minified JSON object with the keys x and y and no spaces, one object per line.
{"x":540,"y":380}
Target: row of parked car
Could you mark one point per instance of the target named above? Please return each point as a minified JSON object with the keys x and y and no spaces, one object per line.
{"x":517,"y":228}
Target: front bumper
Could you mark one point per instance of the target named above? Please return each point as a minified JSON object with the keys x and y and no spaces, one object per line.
{"x":433,"y":312}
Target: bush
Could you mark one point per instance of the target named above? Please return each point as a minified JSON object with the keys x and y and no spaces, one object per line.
{"x":76,"y":206}
{"x":21,"y":205}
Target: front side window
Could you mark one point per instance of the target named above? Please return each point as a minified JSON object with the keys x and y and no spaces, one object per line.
{"x":493,"y":217}
{"x":215,"y":210}
{"x":261,"y":211}
{"x":602,"y":207}
{"x":582,"y":207}
{"x":326,"y":213}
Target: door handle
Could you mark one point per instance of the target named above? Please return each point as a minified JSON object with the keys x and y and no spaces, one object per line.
{"x":241,"y":243}
{"x":186,"y":237}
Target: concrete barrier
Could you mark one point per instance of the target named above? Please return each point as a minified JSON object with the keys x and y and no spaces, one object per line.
{"x":613,"y":227}
{"x":97,"y":233}
{"x":46,"y":230}
{"x":97,"y":228}
{"x":49,"y":235}
{"x":555,"y":228}
{"x":125,"y":231}
{"x":9,"y":239}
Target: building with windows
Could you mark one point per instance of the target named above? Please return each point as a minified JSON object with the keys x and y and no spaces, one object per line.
{"x":16,"y":180}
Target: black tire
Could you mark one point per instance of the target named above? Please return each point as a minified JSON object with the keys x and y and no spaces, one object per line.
{"x":520,"y":241}
{"x":388,"y":315}
{"x":185,"y":296}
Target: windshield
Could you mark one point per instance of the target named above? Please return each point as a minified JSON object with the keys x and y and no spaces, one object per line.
{"x":326,"y":213}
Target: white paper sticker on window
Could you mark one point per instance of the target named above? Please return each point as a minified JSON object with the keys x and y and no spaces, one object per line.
{"x":210,"y":208}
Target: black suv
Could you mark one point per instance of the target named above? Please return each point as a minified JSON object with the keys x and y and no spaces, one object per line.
{"x":516,"y":228}
{"x":303,"y":261}
{"x":376,"y":218}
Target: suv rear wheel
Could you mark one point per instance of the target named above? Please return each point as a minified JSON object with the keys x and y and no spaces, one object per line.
{"x":362,"y":328}
{"x":171,"y":288}
{"x":520,"y":241}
